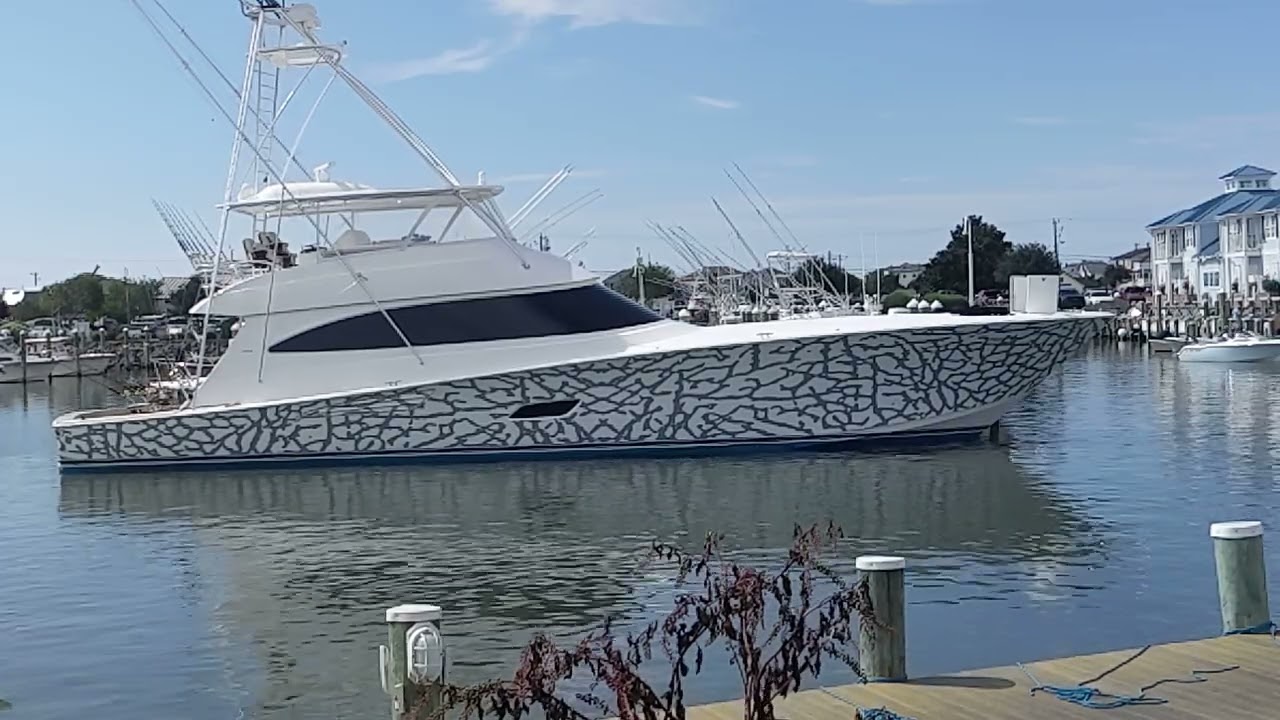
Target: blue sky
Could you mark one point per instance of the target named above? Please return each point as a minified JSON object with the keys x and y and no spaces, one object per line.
{"x":858,"y":118}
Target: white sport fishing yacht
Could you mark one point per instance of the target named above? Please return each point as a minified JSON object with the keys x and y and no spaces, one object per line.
{"x":413,"y":346}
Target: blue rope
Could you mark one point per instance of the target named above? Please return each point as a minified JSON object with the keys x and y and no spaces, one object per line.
{"x":1096,"y":699}
{"x":1090,"y":697}
{"x":879,"y":714}
{"x":862,"y":713}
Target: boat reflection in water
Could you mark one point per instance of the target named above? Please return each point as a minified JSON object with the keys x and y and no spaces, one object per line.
{"x":305,"y":562}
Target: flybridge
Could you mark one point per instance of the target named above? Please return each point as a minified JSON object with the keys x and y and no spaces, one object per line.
{"x":310,"y":198}
{"x":284,"y":39}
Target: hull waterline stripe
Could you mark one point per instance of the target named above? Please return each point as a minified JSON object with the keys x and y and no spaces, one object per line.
{"x":604,"y":451}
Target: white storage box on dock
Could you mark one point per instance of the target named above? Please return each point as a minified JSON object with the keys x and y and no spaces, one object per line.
{"x":1036,"y":294}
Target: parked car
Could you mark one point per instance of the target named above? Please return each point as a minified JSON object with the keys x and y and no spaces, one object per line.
{"x":144,"y":326}
{"x":1069,"y":298}
{"x":43,"y":327}
{"x":991,"y":297}
{"x":1132,"y":293}
{"x":1097,"y":296}
{"x":175,"y":327}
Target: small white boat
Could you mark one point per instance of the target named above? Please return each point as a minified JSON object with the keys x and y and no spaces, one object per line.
{"x":1171,"y":344}
{"x":1240,"y":348}
{"x":50,"y":357}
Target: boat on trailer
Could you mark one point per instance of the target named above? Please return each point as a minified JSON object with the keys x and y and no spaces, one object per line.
{"x":461,"y":345}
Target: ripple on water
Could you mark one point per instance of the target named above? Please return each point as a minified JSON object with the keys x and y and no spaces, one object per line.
{"x":202,"y":594}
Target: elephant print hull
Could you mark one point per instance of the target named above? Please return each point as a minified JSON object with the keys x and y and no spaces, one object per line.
{"x":790,"y":393}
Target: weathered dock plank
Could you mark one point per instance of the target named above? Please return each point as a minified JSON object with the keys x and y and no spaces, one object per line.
{"x":1247,"y":692}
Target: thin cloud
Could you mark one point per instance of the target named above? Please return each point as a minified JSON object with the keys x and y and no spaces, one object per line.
{"x":474,"y":59}
{"x":717,"y":103}
{"x":595,"y":13}
{"x":1210,"y":132}
{"x":526,"y":14}
{"x":1040,"y":120}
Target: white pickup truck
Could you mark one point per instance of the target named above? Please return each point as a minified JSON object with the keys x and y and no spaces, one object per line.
{"x":1098,"y":296}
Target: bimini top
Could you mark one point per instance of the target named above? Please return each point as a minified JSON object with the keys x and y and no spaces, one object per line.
{"x":319,"y":197}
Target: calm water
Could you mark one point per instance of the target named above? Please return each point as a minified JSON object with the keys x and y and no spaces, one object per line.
{"x":204,"y":595}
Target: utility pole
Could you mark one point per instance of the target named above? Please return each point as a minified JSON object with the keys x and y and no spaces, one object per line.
{"x":968,"y":230}
{"x":1055,"y":245}
{"x":35,"y":280}
{"x":639,"y":272}
{"x":862,"y":251}
{"x":840,"y":259}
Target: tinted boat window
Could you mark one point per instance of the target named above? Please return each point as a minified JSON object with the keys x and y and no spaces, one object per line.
{"x":560,"y":312}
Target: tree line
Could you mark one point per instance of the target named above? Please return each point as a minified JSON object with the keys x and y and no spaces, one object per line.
{"x":995,"y":260}
{"x":93,"y":297}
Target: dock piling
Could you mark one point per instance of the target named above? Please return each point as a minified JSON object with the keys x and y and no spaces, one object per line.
{"x":882,"y":647}
{"x":1242,"y":576}
{"x":412,"y":661}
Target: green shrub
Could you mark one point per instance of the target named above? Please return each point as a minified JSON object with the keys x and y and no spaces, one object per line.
{"x":950,"y":302}
{"x":897,"y":299}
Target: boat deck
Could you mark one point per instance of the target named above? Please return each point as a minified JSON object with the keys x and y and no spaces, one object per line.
{"x":1247,"y":690}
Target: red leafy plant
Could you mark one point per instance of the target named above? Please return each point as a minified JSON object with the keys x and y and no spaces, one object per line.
{"x":776,"y":627}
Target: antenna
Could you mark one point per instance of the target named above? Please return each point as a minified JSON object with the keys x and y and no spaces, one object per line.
{"x":536,"y":199}
{"x":563,"y":213}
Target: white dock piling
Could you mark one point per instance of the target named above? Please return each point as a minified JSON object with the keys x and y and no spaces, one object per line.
{"x":412,"y":661}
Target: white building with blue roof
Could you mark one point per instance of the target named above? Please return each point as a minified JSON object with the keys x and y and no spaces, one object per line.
{"x":1232,"y":240}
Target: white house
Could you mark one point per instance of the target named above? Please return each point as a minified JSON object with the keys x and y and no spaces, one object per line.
{"x":1242,"y":226}
{"x":1138,"y":262}
{"x":906,"y":272}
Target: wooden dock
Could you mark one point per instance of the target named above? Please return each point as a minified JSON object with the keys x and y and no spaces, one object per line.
{"x":1248,"y":690}
{"x":1232,"y":676}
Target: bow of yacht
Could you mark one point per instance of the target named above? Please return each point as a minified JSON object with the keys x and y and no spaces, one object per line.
{"x":376,"y":344}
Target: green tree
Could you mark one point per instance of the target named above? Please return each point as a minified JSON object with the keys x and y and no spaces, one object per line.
{"x":948,"y":270}
{"x":127,"y":299}
{"x":830,"y":276}
{"x":77,"y":295}
{"x":888,"y":282}
{"x":1270,"y":286}
{"x":33,"y":305}
{"x":659,"y":281}
{"x":1116,"y":275}
{"x":4,"y":310}
{"x":1029,"y":259}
